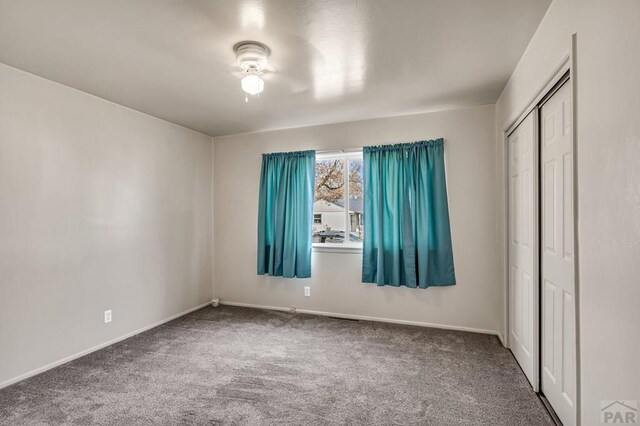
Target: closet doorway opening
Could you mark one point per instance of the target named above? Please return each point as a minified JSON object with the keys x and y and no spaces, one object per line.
{"x":541,"y":247}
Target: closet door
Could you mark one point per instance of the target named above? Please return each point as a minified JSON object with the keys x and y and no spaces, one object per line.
{"x":557,"y":256}
{"x":523,"y":252}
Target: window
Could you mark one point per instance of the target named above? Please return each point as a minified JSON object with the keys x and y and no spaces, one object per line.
{"x":338,"y":204}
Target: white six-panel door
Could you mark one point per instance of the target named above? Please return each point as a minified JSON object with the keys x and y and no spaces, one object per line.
{"x":558,"y":366}
{"x":523,"y":252}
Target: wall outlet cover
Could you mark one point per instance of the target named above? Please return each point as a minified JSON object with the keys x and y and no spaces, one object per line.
{"x":107,"y":316}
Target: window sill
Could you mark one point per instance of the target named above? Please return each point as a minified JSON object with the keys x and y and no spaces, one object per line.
{"x":337,"y":248}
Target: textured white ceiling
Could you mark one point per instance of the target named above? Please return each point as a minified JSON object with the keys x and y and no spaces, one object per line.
{"x":336,"y":60}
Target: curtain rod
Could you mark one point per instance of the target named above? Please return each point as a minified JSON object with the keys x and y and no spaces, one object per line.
{"x":339,"y":151}
{"x":355,"y":150}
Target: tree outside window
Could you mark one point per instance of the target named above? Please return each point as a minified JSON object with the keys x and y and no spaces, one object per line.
{"x":338,"y":200}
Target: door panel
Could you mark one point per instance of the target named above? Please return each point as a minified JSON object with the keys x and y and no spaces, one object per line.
{"x":558,"y":302}
{"x":547,"y":324}
{"x":522,"y":246}
{"x":548,"y":206}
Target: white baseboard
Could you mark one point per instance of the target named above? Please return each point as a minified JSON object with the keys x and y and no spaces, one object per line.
{"x":364,"y":318}
{"x":245,"y":305}
{"x":95,"y":348}
{"x":502,"y":340}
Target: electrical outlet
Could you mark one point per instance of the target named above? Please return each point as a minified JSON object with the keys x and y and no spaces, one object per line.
{"x":307,"y":291}
{"x":107,"y":316}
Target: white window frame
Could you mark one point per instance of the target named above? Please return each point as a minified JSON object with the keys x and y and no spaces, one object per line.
{"x":347,"y":246}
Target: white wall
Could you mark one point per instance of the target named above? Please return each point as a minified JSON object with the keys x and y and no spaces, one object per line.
{"x":101,"y":207}
{"x":336,"y":283}
{"x":608,"y":166}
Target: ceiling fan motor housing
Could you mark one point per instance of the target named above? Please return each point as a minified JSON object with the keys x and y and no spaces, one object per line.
{"x":251,"y":55}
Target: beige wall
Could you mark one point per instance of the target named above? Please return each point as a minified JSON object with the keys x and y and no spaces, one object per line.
{"x":336,"y":285}
{"x":101,"y":207}
{"x":608,"y":166}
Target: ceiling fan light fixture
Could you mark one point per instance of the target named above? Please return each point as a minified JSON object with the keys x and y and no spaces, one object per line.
{"x":252,"y":84}
{"x":252,"y":58}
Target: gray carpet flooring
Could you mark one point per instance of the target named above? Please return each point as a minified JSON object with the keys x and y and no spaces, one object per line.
{"x":237,"y":366}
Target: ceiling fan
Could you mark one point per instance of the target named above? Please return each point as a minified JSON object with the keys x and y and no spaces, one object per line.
{"x":252,"y":65}
{"x":254,"y":70}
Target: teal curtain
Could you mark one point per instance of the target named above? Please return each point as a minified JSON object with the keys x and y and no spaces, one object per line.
{"x":285,"y":214}
{"x":407,"y":238}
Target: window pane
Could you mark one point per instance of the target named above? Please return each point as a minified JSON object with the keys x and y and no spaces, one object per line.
{"x":328,"y":208}
{"x":356,"y":200}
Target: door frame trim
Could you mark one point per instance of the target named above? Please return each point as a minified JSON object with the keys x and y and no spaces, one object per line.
{"x":573,"y":80}
{"x":555,"y":76}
